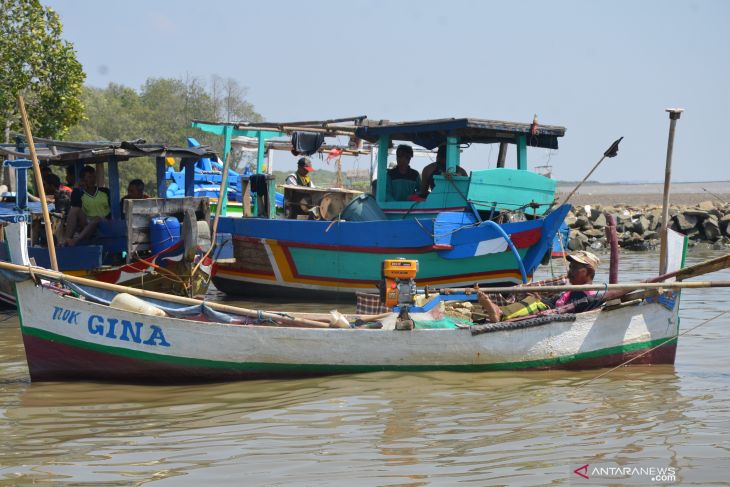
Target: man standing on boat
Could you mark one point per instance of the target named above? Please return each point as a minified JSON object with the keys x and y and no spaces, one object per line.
{"x":301,"y":176}
{"x":438,"y":167}
{"x":403,"y":181}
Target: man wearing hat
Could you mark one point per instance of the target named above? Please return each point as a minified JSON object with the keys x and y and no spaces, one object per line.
{"x":301,"y":176}
{"x":581,"y":270}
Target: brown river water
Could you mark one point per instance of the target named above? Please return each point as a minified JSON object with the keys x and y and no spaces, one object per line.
{"x":664,"y":425}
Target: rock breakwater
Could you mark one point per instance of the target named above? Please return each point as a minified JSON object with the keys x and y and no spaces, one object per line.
{"x":638,"y":227}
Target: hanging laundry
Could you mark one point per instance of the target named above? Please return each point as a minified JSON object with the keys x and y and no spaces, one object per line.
{"x":306,"y":143}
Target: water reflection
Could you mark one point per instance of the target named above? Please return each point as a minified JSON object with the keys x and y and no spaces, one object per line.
{"x":381,"y":428}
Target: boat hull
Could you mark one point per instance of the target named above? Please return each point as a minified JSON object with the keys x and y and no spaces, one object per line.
{"x":288,"y":256}
{"x":166,"y":272}
{"x":67,"y":338}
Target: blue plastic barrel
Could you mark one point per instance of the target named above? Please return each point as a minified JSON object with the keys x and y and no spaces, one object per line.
{"x":164,"y":233}
{"x":363,"y":208}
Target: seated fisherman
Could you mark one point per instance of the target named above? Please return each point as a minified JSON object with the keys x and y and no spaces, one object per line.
{"x":89,"y":205}
{"x":582,"y":270}
{"x":403,"y":181}
{"x":135,"y":191}
{"x":438,"y":167}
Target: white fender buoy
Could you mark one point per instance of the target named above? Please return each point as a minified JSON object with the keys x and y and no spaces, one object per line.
{"x":127,"y":302}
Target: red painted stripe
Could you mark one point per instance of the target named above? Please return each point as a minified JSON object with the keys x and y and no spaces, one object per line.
{"x":527,"y":238}
{"x":521,"y":240}
{"x":422,"y":211}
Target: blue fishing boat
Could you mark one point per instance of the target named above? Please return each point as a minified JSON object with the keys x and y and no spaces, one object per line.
{"x":491,"y":227}
{"x":156,"y":246}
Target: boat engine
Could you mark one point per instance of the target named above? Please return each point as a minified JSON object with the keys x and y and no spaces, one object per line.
{"x":398,"y":287}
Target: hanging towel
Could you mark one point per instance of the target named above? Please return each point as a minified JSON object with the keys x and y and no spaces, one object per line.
{"x":306,"y":143}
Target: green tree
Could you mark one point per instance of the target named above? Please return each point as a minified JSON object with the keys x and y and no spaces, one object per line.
{"x":160,"y":112}
{"x":37,"y":63}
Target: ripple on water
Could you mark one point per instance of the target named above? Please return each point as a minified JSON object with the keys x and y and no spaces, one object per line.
{"x":437,"y":428}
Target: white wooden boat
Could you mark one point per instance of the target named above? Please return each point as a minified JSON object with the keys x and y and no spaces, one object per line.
{"x":68,"y":337}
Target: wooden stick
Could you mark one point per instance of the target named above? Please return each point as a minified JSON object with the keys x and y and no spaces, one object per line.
{"x":706,"y":267}
{"x":627,"y":286}
{"x":612,"y":238}
{"x":314,"y":320}
{"x":674,"y":114}
{"x":39,"y":184}
{"x":218,"y":207}
{"x":39,"y":271}
{"x":712,"y":265}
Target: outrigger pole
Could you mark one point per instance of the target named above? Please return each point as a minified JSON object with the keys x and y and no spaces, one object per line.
{"x":39,"y":184}
{"x":674,"y":114}
{"x":610,"y":152}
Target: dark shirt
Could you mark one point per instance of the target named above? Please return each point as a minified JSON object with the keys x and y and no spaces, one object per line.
{"x":401,"y":186}
{"x":582,"y":301}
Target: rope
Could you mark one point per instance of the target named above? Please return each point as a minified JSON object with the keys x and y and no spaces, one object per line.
{"x":260,"y":318}
{"x":652,"y":349}
{"x":163,"y":273}
{"x":525,"y":323}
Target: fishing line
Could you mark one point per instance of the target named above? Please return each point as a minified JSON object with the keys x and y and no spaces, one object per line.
{"x":652,"y":349}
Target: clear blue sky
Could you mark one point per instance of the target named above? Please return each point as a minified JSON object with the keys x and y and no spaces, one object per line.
{"x":601,"y":69}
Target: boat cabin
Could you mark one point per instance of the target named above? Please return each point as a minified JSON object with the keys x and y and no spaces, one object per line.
{"x":117,"y":240}
{"x":485,"y":191}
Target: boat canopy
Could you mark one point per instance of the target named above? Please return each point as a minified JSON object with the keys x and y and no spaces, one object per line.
{"x":432,"y":133}
{"x":56,"y":152}
{"x":77,"y":154}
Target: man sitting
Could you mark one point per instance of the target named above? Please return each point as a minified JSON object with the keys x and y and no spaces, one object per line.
{"x":135,"y":191}
{"x":89,"y":204}
{"x":582,"y":270}
{"x":403,"y":181}
{"x":438,"y":167}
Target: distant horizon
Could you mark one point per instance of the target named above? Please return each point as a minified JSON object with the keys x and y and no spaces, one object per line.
{"x":601,"y":69}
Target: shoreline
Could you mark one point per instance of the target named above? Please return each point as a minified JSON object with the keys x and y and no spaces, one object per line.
{"x":583,"y":198}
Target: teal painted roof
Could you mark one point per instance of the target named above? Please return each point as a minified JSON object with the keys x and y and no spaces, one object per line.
{"x":432,"y":133}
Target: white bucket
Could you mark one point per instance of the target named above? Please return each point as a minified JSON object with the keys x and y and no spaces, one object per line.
{"x":127,"y":302}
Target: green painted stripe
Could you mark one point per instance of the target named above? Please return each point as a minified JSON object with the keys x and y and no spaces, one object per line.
{"x":366,"y":266}
{"x":334,"y":368}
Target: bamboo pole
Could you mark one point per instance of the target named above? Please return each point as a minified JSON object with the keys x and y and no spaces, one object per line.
{"x":712,"y":265}
{"x":39,"y":184}
{"x":218,"y":207}
{"x":674,"y":114}
{"x":39,"y":271}
{"x":312,"y":320}
{"x":627,"y":286}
